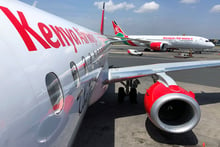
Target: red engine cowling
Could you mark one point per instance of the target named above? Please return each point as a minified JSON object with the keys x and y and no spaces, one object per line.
{"x":157,"y":46}
{"x":171,"y":108}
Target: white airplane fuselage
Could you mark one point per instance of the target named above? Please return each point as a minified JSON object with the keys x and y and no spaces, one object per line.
{"x":36,"y":45}
{"x":178,"y":42}
{"x":52,"y":70}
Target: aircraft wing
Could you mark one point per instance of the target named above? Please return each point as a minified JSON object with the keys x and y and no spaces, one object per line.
{"x":140,"y":42}
{"x":133,"y":72}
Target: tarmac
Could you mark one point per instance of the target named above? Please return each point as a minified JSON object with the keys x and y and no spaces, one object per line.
{"x":109,"y":124}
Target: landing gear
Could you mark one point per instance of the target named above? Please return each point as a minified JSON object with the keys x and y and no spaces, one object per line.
{"x":121,"y":95}
{"x":148,"y":50}
{"x":130,"y":90}
{"x":133,"y":96}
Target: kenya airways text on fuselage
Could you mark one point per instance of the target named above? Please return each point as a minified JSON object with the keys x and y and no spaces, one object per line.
{"x":54,"y":36}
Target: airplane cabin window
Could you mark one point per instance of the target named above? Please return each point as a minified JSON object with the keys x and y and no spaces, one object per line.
{"x":75,"y":73}
{"x":95,"y":54}
{"x":55,"y":92}
{"x":90,"y":58}
{"x":85,"y":64}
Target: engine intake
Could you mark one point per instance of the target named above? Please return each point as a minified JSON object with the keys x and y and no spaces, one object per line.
{"x":172,"y":108}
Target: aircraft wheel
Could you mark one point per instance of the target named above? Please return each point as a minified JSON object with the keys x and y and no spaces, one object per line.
{"x":146,"y":49}
{"x":121,"y":94}
{"x":133,"y":96}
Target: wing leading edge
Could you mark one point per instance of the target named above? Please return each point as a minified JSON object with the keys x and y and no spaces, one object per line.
{"x":133,"y":72}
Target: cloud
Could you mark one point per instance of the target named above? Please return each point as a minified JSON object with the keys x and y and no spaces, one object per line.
{"x":215,"y":9}
{"x":148,"y":7}
{"x":111,"y":7}
{"x":189,"y":1}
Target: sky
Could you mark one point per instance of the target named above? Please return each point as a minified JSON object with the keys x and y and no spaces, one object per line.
{"x":141,"y":17}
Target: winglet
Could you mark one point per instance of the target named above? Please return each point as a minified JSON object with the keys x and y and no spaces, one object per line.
{"x":102,"y":21}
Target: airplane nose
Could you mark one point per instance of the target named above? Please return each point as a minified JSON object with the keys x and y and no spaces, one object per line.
{"x":212,"y":44}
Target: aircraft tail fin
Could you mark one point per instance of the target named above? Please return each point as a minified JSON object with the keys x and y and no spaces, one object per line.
{"x":118,"y":30}
{"x":102,"y":21}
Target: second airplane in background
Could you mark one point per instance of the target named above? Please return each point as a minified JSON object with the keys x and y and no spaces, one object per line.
{"x":164,"y":43}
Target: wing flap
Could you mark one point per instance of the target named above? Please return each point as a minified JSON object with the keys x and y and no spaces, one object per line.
{"x":138,"y":41}
{"x":133,"y":72}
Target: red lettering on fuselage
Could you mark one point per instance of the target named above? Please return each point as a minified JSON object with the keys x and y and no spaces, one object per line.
{"x":91,"y":38}
{"x":82,"y":36}
{"x":53,"y":36}
{"x":178,"y":38}
{"x":23,"y":29}
{"x":47,"y":33}
{"x":59,"y":31}
{"x":76,"y":39}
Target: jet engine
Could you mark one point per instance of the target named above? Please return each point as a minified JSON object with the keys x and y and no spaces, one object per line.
{"x":171,"y":108}
{"x":157,"y":46}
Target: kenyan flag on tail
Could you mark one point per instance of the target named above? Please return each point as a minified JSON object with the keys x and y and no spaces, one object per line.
{"x":120,"y":33}
{"x":118,"y":30}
